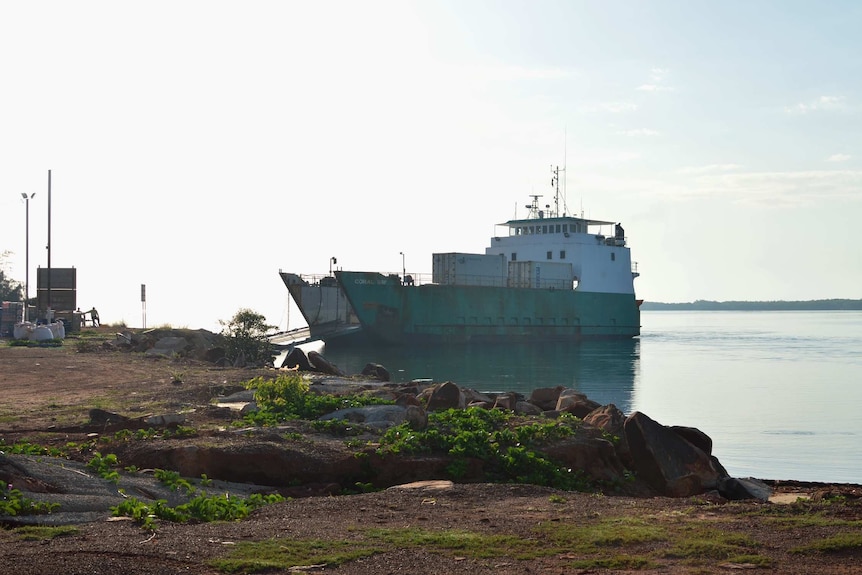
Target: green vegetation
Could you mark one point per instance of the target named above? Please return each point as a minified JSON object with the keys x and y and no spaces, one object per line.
{"x":105,"y":466}
{"x":202,"y":508}
{"x":288,"y":397}
{"x":850,"y":541}
{"x":247,"y":339}
{"x":282,"y":554}
{"x":505,"y":442}
{"x":13,"y":503}
{"x":10,"y":290}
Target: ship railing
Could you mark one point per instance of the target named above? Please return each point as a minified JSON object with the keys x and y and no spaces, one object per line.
{"x":317,"y":279}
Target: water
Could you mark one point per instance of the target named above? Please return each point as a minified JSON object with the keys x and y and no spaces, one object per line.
{"x":779,"y":393}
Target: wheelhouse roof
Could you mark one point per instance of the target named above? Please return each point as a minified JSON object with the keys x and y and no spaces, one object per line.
{"x":563,"y":219}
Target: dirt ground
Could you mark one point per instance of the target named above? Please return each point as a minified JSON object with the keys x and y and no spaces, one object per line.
{"x":437,"y":528}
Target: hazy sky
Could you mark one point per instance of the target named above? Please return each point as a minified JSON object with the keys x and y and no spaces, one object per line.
{"x":199,"y":147}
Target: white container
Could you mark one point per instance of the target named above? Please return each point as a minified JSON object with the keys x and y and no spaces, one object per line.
{"x":58,"y":330}
{"x":42,"y":333}
{"x":23,"y":330}
{"x":469,"y":269}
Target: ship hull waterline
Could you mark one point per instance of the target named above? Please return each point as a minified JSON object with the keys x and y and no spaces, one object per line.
{"x":431,"y":314}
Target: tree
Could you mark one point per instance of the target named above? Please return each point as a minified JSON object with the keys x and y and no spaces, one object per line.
{"x":247,"y":339}
{"x":10,"y":290}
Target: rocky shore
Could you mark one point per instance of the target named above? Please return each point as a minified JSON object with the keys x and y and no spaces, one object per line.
{"x":186,"y":413}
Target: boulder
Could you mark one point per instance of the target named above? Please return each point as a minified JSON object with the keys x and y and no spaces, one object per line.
{"x":745,"y":488}
{"x":666,"y":461}
{"x":376,"y":371}
{"x":320,"y":364}
{"x":576,"y":403}
{"x":694,"y":436}
{"x":169,"y":347}
{"x":506,"y":401}
{"x":527,"y":408}
{"x":546,"y":397}
{"x":445,"y":396}
{"x":595,"y":457}
{"x":296,"y":358}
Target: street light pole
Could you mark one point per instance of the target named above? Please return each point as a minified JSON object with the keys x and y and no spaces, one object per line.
{"x":27,"y":256}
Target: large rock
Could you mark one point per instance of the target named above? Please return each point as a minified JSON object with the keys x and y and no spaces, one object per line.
{"x":445,"y":396}
{"x":170,"y":346}
{"x":546,"y":397}
{"x":320,"y":364}
{"x":666,"y":461}
{"x":595,"y":457}
{"x":576,"y":403}
{"x":376,"y":371}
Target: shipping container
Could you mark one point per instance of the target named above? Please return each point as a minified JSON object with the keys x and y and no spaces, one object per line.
{"x":469,"y":269}
{"x":550,"y":275}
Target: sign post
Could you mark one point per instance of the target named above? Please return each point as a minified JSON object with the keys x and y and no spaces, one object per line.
{"x":144,"y":304}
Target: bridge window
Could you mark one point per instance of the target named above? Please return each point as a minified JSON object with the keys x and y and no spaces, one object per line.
{"x":514,"y":257}
{"x":550,"y":255}
{"x":562,"y":254}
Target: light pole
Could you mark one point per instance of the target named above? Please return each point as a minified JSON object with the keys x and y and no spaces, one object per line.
{"x":27,"y":199}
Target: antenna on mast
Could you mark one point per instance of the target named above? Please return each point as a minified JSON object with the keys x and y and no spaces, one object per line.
{"x":555,"y":185}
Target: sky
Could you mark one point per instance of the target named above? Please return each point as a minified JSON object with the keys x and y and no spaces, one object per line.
{"x":200,"y":147}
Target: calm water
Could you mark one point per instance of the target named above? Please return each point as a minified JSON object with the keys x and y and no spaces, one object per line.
{"x":780,"y":393}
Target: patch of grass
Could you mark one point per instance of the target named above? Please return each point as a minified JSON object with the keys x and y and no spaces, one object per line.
{"x":617,"y":563}
{"x":466,"y":543}
{"x":590,"y":538}
{"x":699,"y":544}
{"x":842,"y":542}
{"x":282,"y":554}
{"x":43,"y":533}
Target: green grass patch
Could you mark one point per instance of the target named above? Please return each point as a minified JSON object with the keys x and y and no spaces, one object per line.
{"x":617,"y":563}
{"x":282,"y":554}
{"x":43,"y":533}
{"x":464,"y":542}
{"x":842,"y":542}
{"x":591,"y":538}
{"x":698,"y":543}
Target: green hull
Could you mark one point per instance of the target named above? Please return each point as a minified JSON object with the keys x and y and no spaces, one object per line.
{"x":434,"y":313}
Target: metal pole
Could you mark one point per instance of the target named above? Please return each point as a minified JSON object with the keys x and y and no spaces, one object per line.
{"x":26,"y":314}
{"x":48,"y":305}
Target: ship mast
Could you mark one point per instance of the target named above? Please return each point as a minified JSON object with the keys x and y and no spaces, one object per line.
{"x":555,"y":185}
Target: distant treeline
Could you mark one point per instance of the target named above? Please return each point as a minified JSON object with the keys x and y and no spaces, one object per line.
{"x":705,"y":305}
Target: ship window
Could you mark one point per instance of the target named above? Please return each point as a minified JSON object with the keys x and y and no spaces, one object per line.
{"x":514,"y":257}
{"x":613,"y":257}
{"x":565,"y":228}
{"x":562,"y":254}
{"x":558,"y":228}
{"x":550,"y":255}
{"x":544,"y":229}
